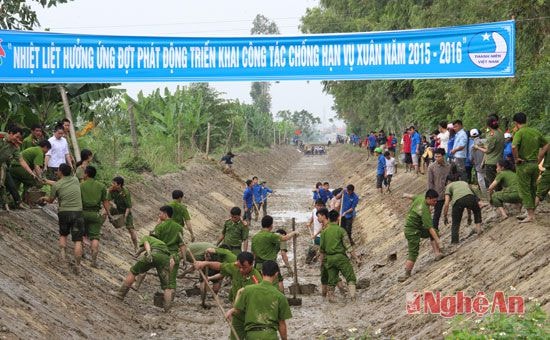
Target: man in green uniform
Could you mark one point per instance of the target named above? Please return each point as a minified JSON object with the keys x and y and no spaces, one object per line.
{"x":94,"y":195}
{"x":235,"y":232}
{"x":34,"y":156}
{"x":123,"y":201}
{"x":171,"y":233}
{"x":9,"y":150}
{"x":242,"y":273}
{"x":36,"y":136}
{"x":525,"y":147}
{"x":265,"y":309}
{"x":494,"y":148}
{"x":206,"y":251}
{"x":67,"y":192}
{"x":459,"y":196}
{"x":333,"y":248}
{"x":181,"y":214}
{"x":544,"y":182}
{"x":156,"y":255}
{"x":419,"y":224}
{"x":508,"y":181}
{"x":266,"y":246}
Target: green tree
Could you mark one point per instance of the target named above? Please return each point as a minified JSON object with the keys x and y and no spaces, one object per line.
{"x":366,"y":105}
{"x":19,"y":15}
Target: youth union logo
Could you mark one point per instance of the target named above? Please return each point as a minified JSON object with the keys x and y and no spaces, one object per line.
{"x":487,"y":50}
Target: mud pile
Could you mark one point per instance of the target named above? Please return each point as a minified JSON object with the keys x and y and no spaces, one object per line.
{"x":41,"y":299}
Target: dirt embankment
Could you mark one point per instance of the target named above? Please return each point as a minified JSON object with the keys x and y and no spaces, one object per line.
{"x":508,"y":257}
{"x":40,"y":299}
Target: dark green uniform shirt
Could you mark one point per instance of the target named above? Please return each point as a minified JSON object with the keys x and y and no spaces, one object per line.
{"x":122,"y":199}
{"x":528,"y":141}
{"x":457,"y":190}
{"x":198,"y":249}
{"x":155,"y":243}
{"x":29,"y":142}
{"x":332,"y":240}
{"x":34,"y":156}
{"x":67,"y":192}
{"x":263,"y":306}
{"x":93,"y":194}
{"x":508,"y":180}
{"x":418,"y":217}
{"x":234,"y":233}
{"x":181,"y":214}
{"x":170,"y":233}
{"x":8,"y":151}
{"x":546,"y":163}
{"x":225,"y":255}
{"x":495,"y":147}
{"x":266,"y":245}
{"x":238,"y":281}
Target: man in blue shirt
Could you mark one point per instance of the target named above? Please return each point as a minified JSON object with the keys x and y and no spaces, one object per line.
{"x":459,"y":150}
{"x":380,"y":169}
{"x":415,"y":144}
{"x":372,"y":142}
{"x":324,"y":193}
{"x":248,"y":201}
{"x":257,"y":193}
{"x":265,"y":192}
{"x":507,"y":154}
{"x":349,"y":204}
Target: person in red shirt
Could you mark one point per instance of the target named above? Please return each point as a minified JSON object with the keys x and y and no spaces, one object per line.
{"x":406,"y":149}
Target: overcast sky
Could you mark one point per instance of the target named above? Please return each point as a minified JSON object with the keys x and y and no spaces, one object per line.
{"x":194,"y":18}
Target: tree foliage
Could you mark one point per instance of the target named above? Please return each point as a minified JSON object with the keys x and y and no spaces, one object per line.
{"x":300,"y":120}
{"x":393,"y":104}
{"x":19,"y":15}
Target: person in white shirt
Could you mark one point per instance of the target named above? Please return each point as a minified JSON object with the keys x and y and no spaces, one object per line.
{"x":314,"y":225}
{"x":390,"y":170}
{"x":443,"y":136}
{"x":58,"y":154}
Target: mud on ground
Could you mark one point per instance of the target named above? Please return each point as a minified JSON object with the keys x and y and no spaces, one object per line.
{"x":40,"y":299}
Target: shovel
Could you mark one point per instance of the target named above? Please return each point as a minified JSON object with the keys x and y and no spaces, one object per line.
{"x":294,"y":301}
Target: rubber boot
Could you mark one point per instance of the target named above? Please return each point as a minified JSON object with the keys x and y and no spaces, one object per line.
{"x":404,"y":277}
{"x":330,"y":295}
{"x":122,"y":291}
{"x":352,"y":292}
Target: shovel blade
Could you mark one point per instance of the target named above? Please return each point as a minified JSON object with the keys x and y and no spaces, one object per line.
{"x":294,"y":301}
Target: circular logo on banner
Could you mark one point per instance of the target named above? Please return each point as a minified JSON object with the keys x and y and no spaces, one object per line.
{"x":487,"y":50}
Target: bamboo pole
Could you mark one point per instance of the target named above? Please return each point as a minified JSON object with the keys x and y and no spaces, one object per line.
{"x":69,"y":116}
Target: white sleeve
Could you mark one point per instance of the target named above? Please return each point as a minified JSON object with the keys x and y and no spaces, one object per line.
{"x":65,"y":147}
